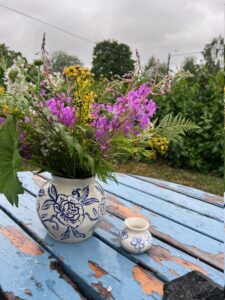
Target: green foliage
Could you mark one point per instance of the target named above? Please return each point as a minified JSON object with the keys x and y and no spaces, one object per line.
{"x":10,"y":161}
{"x":60,"y":60}
{"x":142,"y":148}
{"x":81,"y":157}
{"x":111,"y":58}
{"x":173,"y":128}
{"x":189,"y":65}
{"x":199,"y":98}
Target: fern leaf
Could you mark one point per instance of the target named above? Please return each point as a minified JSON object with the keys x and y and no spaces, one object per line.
{"x":174,"y":127}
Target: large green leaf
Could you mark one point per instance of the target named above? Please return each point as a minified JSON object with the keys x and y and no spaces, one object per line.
{"x":10,"y":161}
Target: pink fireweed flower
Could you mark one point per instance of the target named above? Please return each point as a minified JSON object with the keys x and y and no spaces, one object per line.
{"x":59,"y":108}
{"x":43,"y":83}
{"x":43,"y":92}
{"x":128,"y":112}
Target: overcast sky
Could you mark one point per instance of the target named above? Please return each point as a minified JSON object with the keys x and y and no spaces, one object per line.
{"x":154,"y":27}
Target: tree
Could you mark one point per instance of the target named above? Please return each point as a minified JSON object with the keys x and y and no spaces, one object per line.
{"x":6,"y":60}
{"x":111,"y":58}
{"x":190,"y":65}
{"x":214,"y":54}
{"x":156,"y":66}
{"x":60,"y":60}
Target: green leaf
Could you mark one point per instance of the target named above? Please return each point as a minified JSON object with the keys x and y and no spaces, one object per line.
{"x":175,"y":127}
{"x":10,"y":161}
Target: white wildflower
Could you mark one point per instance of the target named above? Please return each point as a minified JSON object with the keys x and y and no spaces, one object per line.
{"x":16,"y":78}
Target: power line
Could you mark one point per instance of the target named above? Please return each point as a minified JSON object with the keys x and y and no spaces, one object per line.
{"x":73,"y":34}
{"x":170,"y":55}
{"x":48,"y":24}
{"x":52,"y":26}
{"x":186,"y":53}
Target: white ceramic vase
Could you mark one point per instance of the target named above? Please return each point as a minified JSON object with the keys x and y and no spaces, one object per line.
{"x":71,"y":209}
{"x":135,"y":237}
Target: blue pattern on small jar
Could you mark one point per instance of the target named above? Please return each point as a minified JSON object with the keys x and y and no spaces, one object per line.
{"x":138,"y":243}
{"x":123,"y":234}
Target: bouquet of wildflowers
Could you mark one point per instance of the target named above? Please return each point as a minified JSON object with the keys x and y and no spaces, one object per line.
{"x":72,"y":126}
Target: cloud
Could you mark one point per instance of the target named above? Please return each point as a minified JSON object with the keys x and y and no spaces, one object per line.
{"x":152,"y":27}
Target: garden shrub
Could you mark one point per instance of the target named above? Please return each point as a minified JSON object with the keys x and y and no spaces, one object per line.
{"x":199,"y":98}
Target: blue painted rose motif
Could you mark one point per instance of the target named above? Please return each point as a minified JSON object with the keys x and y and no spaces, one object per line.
{"x":138,"y":243}
{"x":123,"y":234}
{"x":69,"y":210}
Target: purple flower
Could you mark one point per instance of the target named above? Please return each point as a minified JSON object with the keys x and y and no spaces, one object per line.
{"x":43,"y":92}
{"x":43,"y":83}
{"x":61,"y":109}
{"x":24,"y":149}
{"x":125,"y":115}
{"x":105,"y":146}
{"x":2,"y":120}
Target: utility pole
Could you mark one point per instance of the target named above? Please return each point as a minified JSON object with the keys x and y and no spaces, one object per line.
{"x":172,"y":54}
{"x":168,"y":64}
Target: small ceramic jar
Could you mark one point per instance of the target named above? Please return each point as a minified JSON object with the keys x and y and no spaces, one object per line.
{"x":135,"y":237}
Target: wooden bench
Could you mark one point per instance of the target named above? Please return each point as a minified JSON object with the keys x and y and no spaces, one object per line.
{"x":186,"y":224}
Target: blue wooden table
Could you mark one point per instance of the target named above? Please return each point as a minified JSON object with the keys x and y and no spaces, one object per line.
{"x":186,"y":224}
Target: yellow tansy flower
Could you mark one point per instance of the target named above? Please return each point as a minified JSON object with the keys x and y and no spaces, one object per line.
{"x":160,"y":144}
{"x":76,"y":71}
{"x":5,"y":109}
{"x":2,"y":90}
{"x":10,"y":110}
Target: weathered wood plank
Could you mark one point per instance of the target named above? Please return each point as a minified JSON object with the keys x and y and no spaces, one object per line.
{"x":167,"y":261}
{"x":26,"y":269}
{"x":202,"y":207}
{"x":192,"y":192}
{"x":193,"y":220}
{"x":190,"y":241}
{"x":110,"y":274}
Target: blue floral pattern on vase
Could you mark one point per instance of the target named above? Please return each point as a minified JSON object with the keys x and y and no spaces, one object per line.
{"x":138,"y":243}
{"x":70,"y":211}
{"x":41,"y":193}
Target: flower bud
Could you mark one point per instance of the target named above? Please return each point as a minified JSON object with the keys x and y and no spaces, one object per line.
{"x":13,"y":74}
{"x":38,"y":62}
{"x":109,"y":115}
{"x":90,"y":132}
